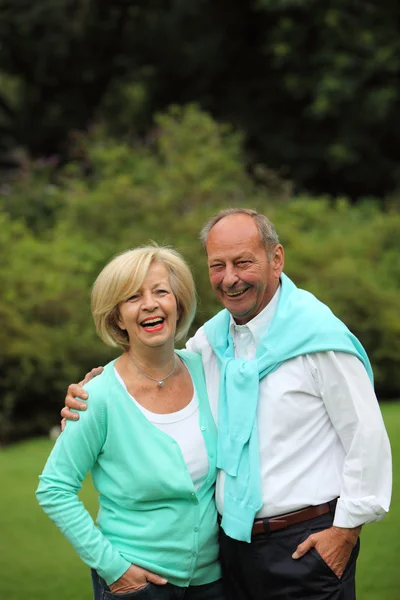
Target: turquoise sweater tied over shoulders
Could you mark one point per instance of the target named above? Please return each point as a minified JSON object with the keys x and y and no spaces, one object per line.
{"x":301,"y":325}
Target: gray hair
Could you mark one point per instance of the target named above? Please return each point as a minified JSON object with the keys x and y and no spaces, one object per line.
{"x":269,"y":237}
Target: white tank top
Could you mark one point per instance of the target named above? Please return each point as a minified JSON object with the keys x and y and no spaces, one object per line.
{"x":183,"y":426}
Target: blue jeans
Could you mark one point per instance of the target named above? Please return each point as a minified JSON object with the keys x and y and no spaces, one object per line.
{"x":209,"y":591}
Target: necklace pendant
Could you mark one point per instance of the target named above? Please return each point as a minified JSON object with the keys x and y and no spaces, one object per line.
{"x":160,"y":383}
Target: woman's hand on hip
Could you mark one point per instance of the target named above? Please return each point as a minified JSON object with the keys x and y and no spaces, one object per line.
{"x":134,"y":579}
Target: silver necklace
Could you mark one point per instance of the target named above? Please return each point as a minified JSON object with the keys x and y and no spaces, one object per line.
{"x":160,"y":382}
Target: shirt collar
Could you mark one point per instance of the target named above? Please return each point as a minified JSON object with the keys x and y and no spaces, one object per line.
{"x":259,"y":325}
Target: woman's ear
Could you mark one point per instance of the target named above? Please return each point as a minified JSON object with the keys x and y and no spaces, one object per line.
{"x":118,"y":319}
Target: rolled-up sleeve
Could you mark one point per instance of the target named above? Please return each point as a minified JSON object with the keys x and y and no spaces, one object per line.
{"x":354,"y":411}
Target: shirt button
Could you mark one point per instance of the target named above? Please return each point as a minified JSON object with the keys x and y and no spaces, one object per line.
{"x":196,"y":529}
{"x":194,"y":554}
{"x":202,"y":428}
{"x":193,"y":494}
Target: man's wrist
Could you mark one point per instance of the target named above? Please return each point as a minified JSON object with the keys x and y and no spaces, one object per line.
{"x":350,"y":534}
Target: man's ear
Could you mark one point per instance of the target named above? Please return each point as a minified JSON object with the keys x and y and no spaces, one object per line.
{"x":278,"y":260}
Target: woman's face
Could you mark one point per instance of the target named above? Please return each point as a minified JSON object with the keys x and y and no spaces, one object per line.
{"x":150,"y":315}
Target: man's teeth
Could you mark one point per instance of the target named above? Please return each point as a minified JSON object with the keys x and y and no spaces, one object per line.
{"x":230,"y":294}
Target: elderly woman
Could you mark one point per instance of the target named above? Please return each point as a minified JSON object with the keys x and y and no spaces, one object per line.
{"x":149,"y":441}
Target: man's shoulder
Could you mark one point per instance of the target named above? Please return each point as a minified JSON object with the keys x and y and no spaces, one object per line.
{"x":204,"y":338}
{"x":188,"y":356}
{"x":198,"y":342}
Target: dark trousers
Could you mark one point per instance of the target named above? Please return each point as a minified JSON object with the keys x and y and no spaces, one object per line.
{"x":209,"y":591}
{"x":265,"y":569}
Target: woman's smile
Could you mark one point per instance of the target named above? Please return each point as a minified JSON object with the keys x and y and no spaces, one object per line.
{"x":153,"y":324}
{"x":151,"y":312}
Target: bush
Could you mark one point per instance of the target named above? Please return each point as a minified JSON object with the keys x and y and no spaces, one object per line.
{"x":164,"y":190}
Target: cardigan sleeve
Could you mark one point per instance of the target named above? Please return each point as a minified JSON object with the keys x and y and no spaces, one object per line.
{"x":73,"y":455}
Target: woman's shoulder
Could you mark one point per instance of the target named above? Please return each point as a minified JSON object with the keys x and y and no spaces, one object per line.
{"x":99,"y":387}
{"x":193,"y":361}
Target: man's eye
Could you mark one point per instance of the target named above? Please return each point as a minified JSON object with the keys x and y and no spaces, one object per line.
{"x":217,"y":266}
{"x":243,"y":263}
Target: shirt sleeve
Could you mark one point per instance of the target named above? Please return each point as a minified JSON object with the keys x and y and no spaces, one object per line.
{"x":74,"y":453}
{"x":197,"y":343}
{"x":354,"y":411}
{"x":191,"y":345}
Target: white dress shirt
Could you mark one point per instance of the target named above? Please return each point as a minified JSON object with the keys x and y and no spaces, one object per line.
{"x":321,"y":433}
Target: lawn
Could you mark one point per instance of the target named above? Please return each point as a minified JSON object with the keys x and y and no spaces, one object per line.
{"x":37,"y":563}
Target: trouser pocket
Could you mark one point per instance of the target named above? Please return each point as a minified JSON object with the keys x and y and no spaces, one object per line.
{"x":103,"y":592}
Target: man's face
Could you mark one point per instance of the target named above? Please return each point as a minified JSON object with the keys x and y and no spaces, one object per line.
{"x":240,"y":273}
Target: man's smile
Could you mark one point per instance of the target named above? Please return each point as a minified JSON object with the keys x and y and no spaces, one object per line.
{"x":236,"y":293}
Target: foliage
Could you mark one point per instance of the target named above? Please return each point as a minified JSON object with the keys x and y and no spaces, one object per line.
{"x":44,"y":316}
{"x":64,"y":54}
{"x":313,"y":85}
{"x":336,"y":65}
{"x":348,"y":257}
{"x":31,"y":196}
{"x":164,"y":189}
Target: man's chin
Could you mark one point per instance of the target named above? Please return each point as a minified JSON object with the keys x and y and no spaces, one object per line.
{"x":241,"y":317}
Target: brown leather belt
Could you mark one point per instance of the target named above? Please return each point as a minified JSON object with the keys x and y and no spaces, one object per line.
{"x":283,"y":521}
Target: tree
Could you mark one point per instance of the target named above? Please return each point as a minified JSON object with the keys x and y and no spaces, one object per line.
{"x":164,"y":189}
{"x":313,"y":85}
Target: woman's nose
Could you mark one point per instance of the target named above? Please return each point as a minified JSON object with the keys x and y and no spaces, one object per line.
{"x":149,"y":301}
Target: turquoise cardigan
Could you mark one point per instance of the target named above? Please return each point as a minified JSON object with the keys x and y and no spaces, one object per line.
{"x":150,"y":514}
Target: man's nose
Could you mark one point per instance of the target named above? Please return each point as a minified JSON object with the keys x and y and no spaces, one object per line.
{"x":230,"y":276}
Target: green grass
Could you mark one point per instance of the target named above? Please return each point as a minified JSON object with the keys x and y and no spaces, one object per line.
{"x":37,"y":563}
{"x":378,"y":574}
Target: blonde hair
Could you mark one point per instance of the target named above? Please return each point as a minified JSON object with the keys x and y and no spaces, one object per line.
{"x":124,"y":275}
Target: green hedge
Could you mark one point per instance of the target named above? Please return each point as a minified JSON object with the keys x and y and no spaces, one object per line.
{"x":120,"y":195}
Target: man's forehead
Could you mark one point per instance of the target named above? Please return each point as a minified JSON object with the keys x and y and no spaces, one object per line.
{"x":232,"y":252}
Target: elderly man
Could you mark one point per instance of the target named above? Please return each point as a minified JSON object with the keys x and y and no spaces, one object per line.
{"x":303,"y":454}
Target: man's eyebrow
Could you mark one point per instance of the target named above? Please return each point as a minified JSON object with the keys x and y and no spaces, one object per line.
{"x":244,"y":254}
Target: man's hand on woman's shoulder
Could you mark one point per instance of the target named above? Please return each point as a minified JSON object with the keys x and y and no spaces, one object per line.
{"x":75,"y":394}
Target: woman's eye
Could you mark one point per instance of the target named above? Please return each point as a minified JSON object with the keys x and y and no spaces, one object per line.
{"x":133,"y":298}
{"x":161,"y":292}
